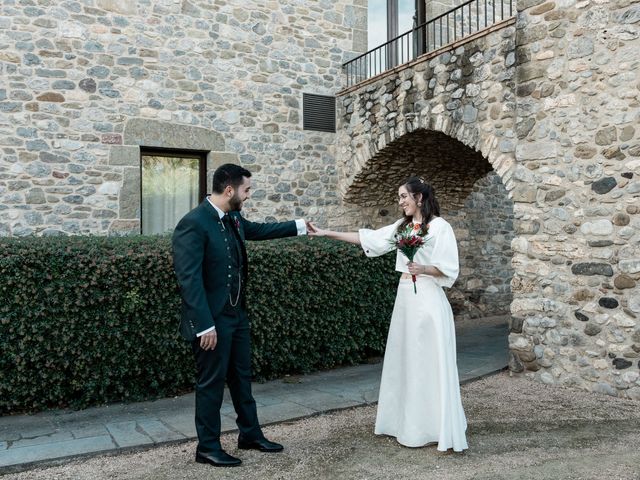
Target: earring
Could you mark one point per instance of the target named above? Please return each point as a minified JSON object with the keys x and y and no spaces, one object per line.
{"x":419,"y":204}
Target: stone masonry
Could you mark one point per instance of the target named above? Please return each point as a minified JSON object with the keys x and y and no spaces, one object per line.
{"x":550,"y":102}
{"x":577,"y":254}
{"x":86,"y":84}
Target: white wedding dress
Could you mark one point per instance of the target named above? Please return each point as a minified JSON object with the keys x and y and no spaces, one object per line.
{"x":419,"y":401}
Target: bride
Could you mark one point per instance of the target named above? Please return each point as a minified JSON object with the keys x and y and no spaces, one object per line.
{"x":419,"y":401}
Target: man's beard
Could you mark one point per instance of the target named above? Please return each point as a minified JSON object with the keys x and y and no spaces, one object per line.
{"x":235,"y":203}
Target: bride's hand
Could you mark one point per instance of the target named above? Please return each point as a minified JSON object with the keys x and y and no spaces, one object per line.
{"x":416,"y":268}
{"x":314,"y":231}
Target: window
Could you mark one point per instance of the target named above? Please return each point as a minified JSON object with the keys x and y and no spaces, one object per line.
{"x":173,"y":182}
{"x":377,"y":23}
{"x":389,"y":18}
{"x":406,"y":15}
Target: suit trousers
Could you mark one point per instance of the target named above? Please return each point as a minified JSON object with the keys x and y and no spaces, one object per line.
{"x":230,"y":360}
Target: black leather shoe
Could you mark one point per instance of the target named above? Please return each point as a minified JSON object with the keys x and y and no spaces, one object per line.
{"x":261,"y":444}
{"x":218,"y":459}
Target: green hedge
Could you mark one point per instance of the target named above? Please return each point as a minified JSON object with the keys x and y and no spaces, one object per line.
{"x":92,"y":320}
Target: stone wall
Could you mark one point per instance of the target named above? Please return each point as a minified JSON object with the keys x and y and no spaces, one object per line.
{"x":553,"y":106}
{"x":577,"y":256}
{"x":85,"y":84}
{"x":484,"y":231}
{"x":435,"y":8}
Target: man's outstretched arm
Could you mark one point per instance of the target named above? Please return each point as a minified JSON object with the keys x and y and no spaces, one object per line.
{"x":268,"y":231}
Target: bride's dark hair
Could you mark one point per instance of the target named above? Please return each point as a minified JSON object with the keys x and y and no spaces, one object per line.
{"x":429,"y":208}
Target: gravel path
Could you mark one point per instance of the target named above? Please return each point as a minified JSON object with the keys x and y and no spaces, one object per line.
{"x":517,"y":430}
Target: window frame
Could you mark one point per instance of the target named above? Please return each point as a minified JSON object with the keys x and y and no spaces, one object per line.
{"x":200,"y":155}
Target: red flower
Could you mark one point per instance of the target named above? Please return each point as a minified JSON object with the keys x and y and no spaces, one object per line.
{"x":409,"y":242}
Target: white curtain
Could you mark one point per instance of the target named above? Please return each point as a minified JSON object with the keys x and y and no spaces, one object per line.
{"x":169,"y":190}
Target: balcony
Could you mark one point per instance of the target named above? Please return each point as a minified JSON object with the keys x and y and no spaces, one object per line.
{"x":462,"y":22}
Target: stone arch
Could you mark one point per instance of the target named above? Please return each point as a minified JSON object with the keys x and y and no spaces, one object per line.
{"x":466,"y":93}
{"x":410,"y":116}
{"x":431,"y":139}
{"x":472,"y":198}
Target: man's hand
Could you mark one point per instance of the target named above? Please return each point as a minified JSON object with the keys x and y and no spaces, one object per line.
{"x":208,"y":341}
{"x":314,"y":231}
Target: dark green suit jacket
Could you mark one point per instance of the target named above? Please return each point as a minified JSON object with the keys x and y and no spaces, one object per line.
{"x":201,"y":261}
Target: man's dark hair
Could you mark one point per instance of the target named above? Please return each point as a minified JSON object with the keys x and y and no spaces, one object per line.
{"x":228,"y":174}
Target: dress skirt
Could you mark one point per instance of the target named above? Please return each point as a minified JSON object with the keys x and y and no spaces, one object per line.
{"x":419,"y":401}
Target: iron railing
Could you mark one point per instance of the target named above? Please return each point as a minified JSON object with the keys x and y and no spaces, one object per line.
{"x":455,"y":24}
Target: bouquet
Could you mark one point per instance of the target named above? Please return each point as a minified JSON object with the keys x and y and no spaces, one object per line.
{"x":409,"y":241}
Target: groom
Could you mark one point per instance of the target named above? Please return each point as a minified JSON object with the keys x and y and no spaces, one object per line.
{"x":211,"y":266}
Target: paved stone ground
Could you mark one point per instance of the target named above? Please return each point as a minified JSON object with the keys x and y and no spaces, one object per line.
{"x":518,"y":430}
{"x":29,"y":439}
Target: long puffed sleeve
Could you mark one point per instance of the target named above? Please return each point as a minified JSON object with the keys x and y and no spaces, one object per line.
{"x":444,"y":255}
{"x":378,"y":242}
